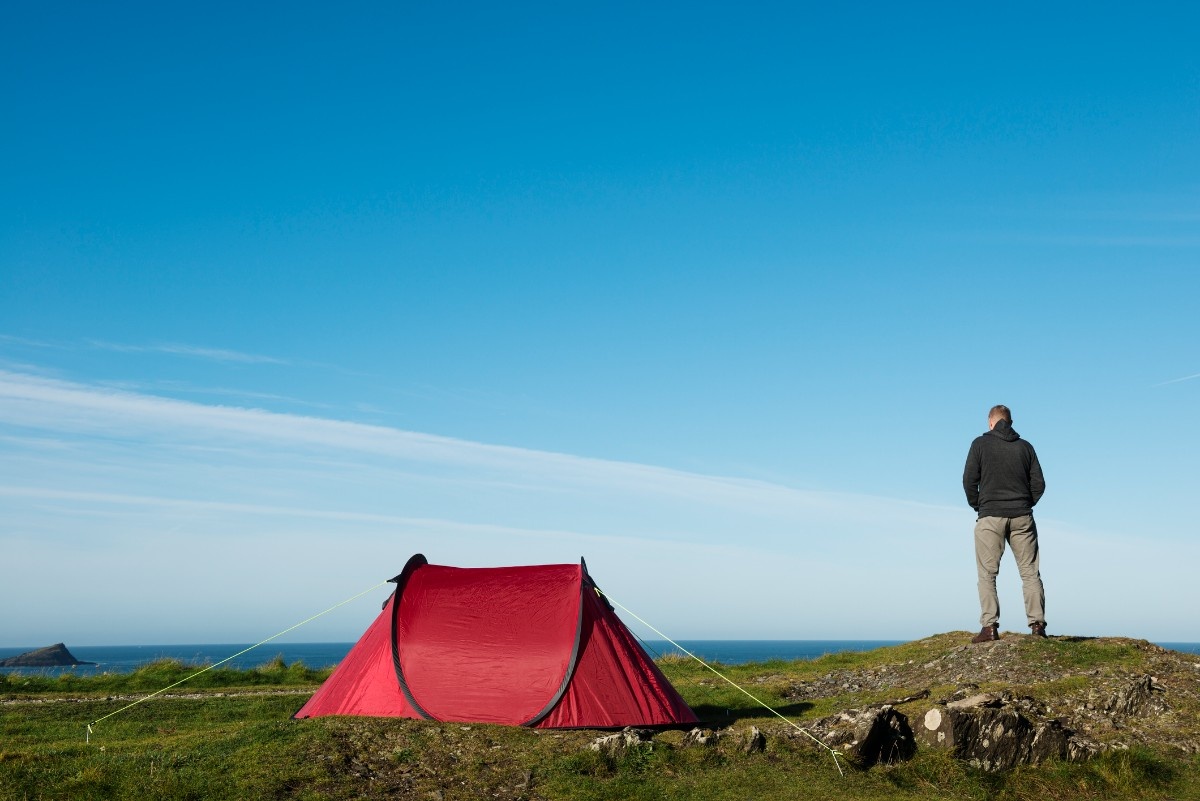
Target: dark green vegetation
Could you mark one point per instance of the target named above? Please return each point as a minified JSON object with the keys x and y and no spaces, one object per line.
{"x":229,"y":734}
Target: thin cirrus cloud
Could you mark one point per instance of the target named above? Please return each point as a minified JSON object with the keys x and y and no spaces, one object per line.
{"x":124,"y":483}
{"x":69,"y":409}
{"x":223,"y":355}
{"x":437,"y":526}
{"x":1178,"y":380}
{"x":211,"y":354}
{"x":118,"y":482}
{"x":181,"y":387}
{"x":9,"y":339}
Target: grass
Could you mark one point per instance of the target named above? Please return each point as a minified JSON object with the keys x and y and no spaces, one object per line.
{"x":229,"y":734}
{"x":1082,"y":653}
{"x":162,"y":673}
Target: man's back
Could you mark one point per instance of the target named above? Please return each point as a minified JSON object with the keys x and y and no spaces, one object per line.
{"x":1002,"y":477}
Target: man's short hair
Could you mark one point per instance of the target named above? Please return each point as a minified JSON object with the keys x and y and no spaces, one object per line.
{"x":999,"y":412}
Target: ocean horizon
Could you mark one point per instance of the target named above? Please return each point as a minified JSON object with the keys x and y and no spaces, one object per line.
{"x":127,"y":658}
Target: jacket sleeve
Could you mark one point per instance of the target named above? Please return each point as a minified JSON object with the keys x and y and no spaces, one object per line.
{"x":1037,"y":483}
{"x":971,"y":475}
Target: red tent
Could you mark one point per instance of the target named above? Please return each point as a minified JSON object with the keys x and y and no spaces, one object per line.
{"x":524,"y":646}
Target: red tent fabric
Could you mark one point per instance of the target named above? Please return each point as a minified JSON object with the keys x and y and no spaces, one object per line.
{"x":524,"y":646}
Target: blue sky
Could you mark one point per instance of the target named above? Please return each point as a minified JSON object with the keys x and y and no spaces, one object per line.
{"x":715,"y":296}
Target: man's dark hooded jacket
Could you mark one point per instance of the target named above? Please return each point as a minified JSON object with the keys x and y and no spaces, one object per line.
{"x":1002,"y":477}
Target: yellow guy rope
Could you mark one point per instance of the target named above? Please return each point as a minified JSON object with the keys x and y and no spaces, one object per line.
{"x":226,"y":659}
{"x":832,"y":752}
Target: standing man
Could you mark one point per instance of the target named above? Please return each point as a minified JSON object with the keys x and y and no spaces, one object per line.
{"x":1003,"y":481}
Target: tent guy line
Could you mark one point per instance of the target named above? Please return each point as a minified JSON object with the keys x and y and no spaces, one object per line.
{"x":832,"y":752}
{"x":97,"y":721}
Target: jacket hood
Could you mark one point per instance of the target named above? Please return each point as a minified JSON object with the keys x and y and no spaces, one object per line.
{"x":1005,"y":431}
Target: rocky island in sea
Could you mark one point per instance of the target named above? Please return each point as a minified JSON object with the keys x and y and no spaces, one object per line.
{"x":55,"y":655}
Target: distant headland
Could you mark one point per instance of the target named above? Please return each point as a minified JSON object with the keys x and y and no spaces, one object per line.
{"x":52,"y":656}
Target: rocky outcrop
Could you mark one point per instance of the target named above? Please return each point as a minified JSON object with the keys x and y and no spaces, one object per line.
{"x":53,"y":656}
{"x":866,"y":737}
{"x":1019,"y":700}
{"x":995,"y":731}
{"x":1140,"y":696}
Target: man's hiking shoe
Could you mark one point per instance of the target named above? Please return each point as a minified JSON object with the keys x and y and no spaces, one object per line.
{"x":988,"y":633}
{"x":1038,"y":629}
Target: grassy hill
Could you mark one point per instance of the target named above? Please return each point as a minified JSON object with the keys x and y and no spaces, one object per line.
{"x":229,"y":734}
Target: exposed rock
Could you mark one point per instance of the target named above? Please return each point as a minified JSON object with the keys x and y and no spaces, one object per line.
{"x":618,"y":742}
{"x":972,"y":701}
{"x":751,"y":741}
{"x":53,"y":656}
{"x":994,"y":731}
{"x":1135,"y":699}
{"x":756,"y":741}
{"x":866,"y":737}
{"x":700,"y":736}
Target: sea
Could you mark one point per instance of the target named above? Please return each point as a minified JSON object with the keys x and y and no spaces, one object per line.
{"x":127,"y":658}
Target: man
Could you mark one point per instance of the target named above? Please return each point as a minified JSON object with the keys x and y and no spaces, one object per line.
{"x":1003,"y":482}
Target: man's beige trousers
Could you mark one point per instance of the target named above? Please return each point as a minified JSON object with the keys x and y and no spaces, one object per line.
{"x":1021,"y":533}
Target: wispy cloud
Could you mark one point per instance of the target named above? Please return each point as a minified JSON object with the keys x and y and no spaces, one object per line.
{"x":97,"y":478}
{"x":24,"y":367}
{"x":439,"y":526}
{"x":1178,"y":380}
{"x":48,"y":404}
{"x":211,"y":354}
{"x":9,"y":339}
{"x":1088,"y":240}
{"x":150,"y":492}
{"x":181,"y":387}
{"x":172,"y":348}
{"x":1131,"y":241}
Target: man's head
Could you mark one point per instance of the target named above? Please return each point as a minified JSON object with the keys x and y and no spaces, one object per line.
{"x":998,"y":413}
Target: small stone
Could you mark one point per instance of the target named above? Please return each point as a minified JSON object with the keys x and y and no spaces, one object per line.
{"x":700,"y":736}
{"x":983,"y":699}
{"x":618,"y":742}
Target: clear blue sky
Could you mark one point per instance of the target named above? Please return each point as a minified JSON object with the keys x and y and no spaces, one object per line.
{"x":715,"y":296}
